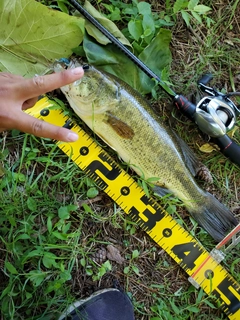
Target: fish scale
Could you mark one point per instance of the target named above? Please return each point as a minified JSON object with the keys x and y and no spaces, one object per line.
{"x":203,"y":268}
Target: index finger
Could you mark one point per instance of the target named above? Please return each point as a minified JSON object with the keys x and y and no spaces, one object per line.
{"x":30,"y":88}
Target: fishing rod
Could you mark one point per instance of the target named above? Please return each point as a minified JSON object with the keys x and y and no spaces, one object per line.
{"x":215,"y":114}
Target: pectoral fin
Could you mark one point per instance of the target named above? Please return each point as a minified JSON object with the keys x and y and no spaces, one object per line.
{"x":120,"y":127}
{"x":161,"y":191}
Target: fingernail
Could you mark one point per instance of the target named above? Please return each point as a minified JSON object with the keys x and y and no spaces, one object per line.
{"x":77,"y":71}
{"x":72,"y":137}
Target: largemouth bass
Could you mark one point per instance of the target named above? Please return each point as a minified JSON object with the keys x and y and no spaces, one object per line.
{"x":126,"y":122}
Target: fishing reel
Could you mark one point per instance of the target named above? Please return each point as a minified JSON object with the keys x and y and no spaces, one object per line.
{"x":215,"y":114}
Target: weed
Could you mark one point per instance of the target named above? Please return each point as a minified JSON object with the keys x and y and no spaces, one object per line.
{"x":191,"y":9}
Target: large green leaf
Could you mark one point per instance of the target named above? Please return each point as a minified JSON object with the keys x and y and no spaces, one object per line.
{"x":110,"y":59}
{"x":33,"y":36}
{"x":108,"y":24}
{"x":156,"y":56}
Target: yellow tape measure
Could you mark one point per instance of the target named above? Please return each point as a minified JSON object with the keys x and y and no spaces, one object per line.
{"x":202,"y":267}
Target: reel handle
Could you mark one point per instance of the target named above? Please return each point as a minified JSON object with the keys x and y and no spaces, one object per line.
{"x":229,"y":148}
{"x":206,"y":78}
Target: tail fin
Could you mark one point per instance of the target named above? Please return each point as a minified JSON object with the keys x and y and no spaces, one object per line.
{"x":215,"y":218}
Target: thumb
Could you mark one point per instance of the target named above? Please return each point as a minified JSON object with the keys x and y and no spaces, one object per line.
{"x":40,"y":128}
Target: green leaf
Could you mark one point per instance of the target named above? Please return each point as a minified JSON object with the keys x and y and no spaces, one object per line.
{"x":10,"y":268}
{"x":144,"y":8}
{"x":192,"y":4}
{"x":79,"y":51}
{"x":135,"y":29}
{"x":6,"y":291}
{"x":174,"y":307}
{"x":72,"y":207}
{"x":109,"y":7}
{"x":65,"y":229}
{"x":197,"y":16}
{"x":178,"y":5}
{"x":66,"y":275}
{"x":193,"y":309}
{"x":211,"y":305}
{"x":148,"y":24}
{"x":55,"y":285}
{"x":92,"y":192}
{"x":36,"y":276}
{"x":107,"y":265}
{"x":83,"y":262}
{"x":59,"y":235}
{"x":49,"y":224}
{"x":34,"y":253}
{"x":32,"y":205}
{"x":200,"y":296}
{"x":47,"y":262}
{"x":186,"y":17}
{"x":112,"y":60}
{"x":135,"y":270}
{"x":28,"y":295}
{"x":86,"y":208}
{"x":209,"y":23}
{"x":62,"y":6}
{"x":156,"y":56}
{"x":153,"y":179}
{"x":108,"y":24}
{"x":34,"y":36}
{"x":63,"y":213}
{"x":89,"y":272}
{"x":23,"y":236}
{"x":116,"y":15}
{"x":135,"y":254}
{"x":12,"y":221}
{"x":145,"y":188}
{"x":126,"y":270}
{"x":132,"y":230}
{"x":49,"y":259}
{"x":130,"y":11}
{"x":201,"y":9}
{"x":18,"y":176}
{"x":171,"y":209}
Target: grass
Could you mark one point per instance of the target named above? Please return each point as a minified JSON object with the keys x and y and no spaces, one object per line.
{"x":55,"y":223}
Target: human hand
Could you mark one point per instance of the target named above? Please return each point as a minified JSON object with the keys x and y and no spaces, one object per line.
{"x":18,"y":94}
